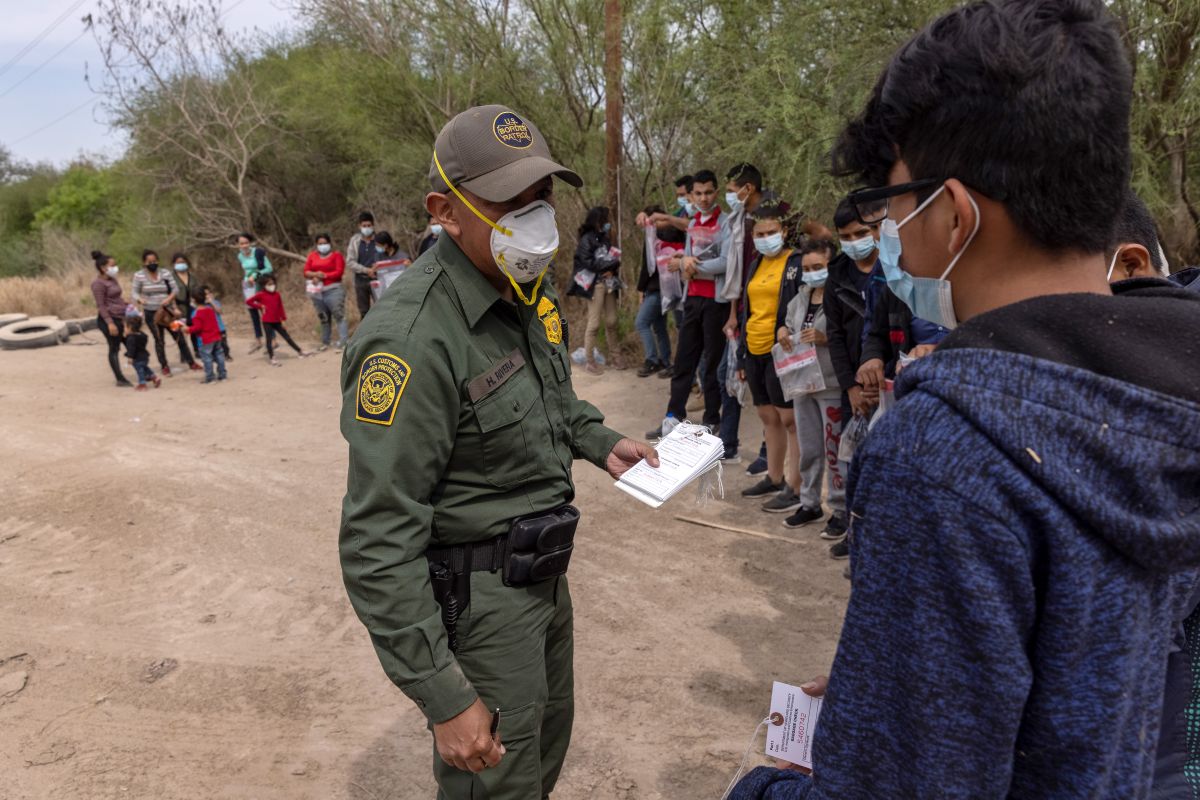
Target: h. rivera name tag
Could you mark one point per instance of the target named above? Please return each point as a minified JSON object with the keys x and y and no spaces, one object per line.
{"x":381,"y":380}
{"x":495,"y":377}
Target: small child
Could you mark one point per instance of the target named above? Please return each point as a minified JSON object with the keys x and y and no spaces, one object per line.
{"x":211,"y":300}
{"x":204,"y":325}
{"x":270,"y":305}
{"x":135,"y":348}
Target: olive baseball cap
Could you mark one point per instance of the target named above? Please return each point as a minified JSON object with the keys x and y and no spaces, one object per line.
{"x":494,"y":153}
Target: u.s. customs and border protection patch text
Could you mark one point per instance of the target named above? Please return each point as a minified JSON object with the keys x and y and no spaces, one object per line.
{"x":548,"y":314}
{"x":381,"y":380}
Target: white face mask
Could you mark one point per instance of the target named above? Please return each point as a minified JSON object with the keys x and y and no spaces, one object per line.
{"x":524,"y":241}
{"x":270,"y":288}
{"x":112,"y":271}
{"x":324,"y":248}
{"x":181,"y":267}
{"x":367,"y":231}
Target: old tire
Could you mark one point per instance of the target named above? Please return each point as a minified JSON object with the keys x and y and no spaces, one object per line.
{"x":78,"y":326}
{"x":9,"y":319}
{"x":33,"y":332}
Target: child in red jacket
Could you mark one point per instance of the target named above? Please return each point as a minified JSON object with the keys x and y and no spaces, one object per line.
{"x":208,"y":330}
{"x":270,"y":305}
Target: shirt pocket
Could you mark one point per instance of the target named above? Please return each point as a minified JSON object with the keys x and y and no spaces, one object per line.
{"x":503,"y":417}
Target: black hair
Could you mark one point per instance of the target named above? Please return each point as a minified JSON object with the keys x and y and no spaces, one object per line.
{"x":133,"y":324}
{"x":594,"y":221}
{"x":384,"y":238}
{"x":147,"y":253}
{"x":653,"y":208}
{"x":1024,"y":101}
{"x":774,"y":208}
{"x":818,"y":246}
{"x":203,"y":291}
{"x":178,"y":256}
{"x":685,"y":181}
{"x":266,"y":278}
{"x":704,"y":176}
{"x":1135,"y":224}
{"x":324,"y":236}
{"x":844,"y":214}
{"x":101,"y":260}
{"x":366,"y":216}
{"x":745,"y":173}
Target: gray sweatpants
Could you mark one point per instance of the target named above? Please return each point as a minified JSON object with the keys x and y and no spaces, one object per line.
{"x":819,"y":429}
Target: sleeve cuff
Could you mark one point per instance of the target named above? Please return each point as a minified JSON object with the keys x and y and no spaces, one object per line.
{"x":443,"y":695}
{"x":597,"y":443}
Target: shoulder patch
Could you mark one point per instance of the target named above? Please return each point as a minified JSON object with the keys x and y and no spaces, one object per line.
{"x":381,"y":380}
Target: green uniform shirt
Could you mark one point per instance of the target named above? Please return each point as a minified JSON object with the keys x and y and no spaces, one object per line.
{"x":460,"y":416}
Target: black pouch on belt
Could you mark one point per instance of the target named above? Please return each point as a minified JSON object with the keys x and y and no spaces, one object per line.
{"x":539,"y":546}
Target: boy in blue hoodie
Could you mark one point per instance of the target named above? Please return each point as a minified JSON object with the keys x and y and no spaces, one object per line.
{"x":1026,"y":522}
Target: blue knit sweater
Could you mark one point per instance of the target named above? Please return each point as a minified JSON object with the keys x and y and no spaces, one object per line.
{"x":1024,"y":538}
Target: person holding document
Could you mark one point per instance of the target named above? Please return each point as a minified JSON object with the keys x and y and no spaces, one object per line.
{"x":462,"y":423}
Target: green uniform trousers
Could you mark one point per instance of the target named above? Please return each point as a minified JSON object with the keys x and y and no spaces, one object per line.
{"x":516,"y":646}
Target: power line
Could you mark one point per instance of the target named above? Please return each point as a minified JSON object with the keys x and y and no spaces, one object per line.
{"x":39,"y":67}
{"x":54,"y":122}
{"x":38,"y":39}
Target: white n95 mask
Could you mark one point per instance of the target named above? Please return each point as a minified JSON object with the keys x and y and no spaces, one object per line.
{"x":524,"y":242}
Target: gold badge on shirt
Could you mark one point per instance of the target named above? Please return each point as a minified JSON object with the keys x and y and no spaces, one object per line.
{"x":548,"y":314}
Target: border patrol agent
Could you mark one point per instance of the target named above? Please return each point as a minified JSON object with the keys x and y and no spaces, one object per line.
{"x":457,"y":526}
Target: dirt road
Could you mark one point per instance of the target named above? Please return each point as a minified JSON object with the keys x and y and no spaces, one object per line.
{"x":173,"y":623}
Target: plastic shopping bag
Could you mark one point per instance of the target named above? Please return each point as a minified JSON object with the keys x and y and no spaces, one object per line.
{"x":734,"y":385}
{"x":854,"y":435}
{"x":799,"y":371}
{"x":671,"y":287}
{"x":585,"y":279}
{"x":887,"y":399}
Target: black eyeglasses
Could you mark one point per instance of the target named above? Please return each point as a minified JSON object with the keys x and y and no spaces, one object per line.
{"x":871,"y":205}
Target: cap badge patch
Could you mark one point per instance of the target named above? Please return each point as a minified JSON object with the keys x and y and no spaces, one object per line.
{"x":511,"y":131}
{"x":381,"y":381}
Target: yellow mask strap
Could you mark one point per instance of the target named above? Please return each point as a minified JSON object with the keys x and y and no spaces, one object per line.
{"x":466,"y":202}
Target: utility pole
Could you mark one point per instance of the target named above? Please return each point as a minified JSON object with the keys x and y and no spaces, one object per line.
{"x":613,"y":109}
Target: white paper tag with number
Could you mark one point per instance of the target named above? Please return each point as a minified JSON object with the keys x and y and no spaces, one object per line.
{"x":793,"y":719}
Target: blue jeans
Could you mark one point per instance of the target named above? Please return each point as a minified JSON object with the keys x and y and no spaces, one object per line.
{"x":731,"y":410}
{"x":144,"y":373}
{"x":208,"y":354}
{"x":651,"y":325}
{"x":331,"y":303}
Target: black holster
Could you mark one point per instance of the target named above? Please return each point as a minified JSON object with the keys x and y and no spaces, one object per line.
{"x":539,"y":546}
{"x":453,"y":593}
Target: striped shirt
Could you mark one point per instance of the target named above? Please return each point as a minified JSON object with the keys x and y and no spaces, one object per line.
{"x":152,"y":289}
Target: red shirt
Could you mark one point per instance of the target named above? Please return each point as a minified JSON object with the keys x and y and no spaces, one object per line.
{"x":270,"y":304}
{"x":204,"y":324}
{"x":705,"y":287}
{"x":333,"y":265}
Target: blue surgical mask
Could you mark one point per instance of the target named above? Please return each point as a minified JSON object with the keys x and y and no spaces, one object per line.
{"x":380,"y":250}
{"x":435,"y":229}
{"x":683,"y":202}
{"x":181,"y":266}
{"x":324,"y":248}
{"x":607,"y":227}
{"x":859,"y":249}
{"x":816,"y":279}
{"x":930,"y":299}
{"x":733,"y":201}
{"x":769,"y":245}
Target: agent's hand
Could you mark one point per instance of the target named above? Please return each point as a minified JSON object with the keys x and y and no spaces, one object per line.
{"x":626,"y":453}
{"x":812,"y":336}
{"x":784,"y":337}
{"x":859,"y":401}
{"x":814,"y":688}
{"x":112,"y":329}
{"x":465,"y":742}
{"x":870,"y":374}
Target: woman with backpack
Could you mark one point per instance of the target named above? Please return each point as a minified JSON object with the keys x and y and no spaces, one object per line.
{"x":255,"y":265}
{"x":596,"y":278}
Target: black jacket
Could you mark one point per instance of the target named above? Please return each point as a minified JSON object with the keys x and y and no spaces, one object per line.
{"x":890,"y":333}
{"x":586,"y":258}
{"x":845,"y":315}
{"x":135,"y":346}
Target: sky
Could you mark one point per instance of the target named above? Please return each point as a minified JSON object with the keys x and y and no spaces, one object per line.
{"x":48,"y":113}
